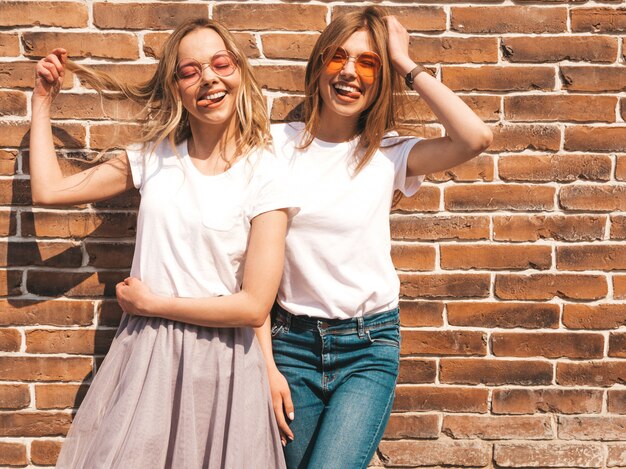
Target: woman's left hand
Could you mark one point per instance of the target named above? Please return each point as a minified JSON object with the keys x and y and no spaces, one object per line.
{"x":135,"y":297}
{"x":398,"y":46}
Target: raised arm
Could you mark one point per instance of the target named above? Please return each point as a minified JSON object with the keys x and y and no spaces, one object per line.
{"x":248,"y":307}
{"x":466,"y":134}
{"x":49,"y":186}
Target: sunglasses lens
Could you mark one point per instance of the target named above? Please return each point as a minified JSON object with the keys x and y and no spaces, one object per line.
{"x":334,"y":60}
{"x":223,"y":64}
{"x":189,"y":70}
{"x":368,"y":65}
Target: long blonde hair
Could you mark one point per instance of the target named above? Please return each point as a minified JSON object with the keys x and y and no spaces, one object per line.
{"x":380,"y":117}
{"x":163,"y":116}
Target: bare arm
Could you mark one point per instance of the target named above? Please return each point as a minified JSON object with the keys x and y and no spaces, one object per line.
{"x":248,"y":307}
{"x":49,"y":186}
{"x":467,"y":135}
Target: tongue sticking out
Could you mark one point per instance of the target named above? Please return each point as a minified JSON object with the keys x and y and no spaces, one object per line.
{"x":208,"y":102}
{"x":349,"y":94}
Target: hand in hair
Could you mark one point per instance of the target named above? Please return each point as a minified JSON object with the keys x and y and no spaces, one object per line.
{"x":49,"y":74}
{"x":398,"y":45}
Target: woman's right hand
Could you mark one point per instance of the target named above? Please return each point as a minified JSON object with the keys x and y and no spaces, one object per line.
{"x":49,"y":74}
{"x":281,"y":401}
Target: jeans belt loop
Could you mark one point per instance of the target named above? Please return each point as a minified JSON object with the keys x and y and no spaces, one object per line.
{"x":360,"y":328}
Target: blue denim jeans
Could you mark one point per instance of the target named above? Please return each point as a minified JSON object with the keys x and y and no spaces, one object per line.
{"x":342,"y":375}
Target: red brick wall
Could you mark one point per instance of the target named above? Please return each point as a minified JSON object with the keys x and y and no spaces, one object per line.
{"x":512,"y":265}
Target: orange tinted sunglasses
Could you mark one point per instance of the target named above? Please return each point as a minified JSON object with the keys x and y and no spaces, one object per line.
{"x":367,"y":64}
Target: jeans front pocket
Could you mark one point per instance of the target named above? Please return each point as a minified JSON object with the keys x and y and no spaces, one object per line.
{"x":385,"y":335}
{"x":277,"y":329}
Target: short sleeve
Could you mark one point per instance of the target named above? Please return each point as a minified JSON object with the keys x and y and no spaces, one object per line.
{"x":136,"y":158}
{"x":271,"y":187}
{"x":397,"y":149}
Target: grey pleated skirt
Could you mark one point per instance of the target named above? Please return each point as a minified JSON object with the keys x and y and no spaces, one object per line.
{"x":174,"y":395}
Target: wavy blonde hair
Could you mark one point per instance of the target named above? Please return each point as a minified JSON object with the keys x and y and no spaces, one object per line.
{"x":162,"y":114}
{"x":380,"y":117}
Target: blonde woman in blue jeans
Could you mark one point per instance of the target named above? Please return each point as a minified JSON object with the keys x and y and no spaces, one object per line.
{"x":334,"y":355}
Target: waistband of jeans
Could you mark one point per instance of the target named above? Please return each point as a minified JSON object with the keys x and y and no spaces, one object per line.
{"x":338,"y":326}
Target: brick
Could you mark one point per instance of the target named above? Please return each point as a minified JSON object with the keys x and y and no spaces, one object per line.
{"x":591,"y":428}
{"x":415,"y":371}
{"x":498,"y":78}
{"x":44,"y":368}
{"x":414,"y":18}
{"x":144,"y":16}
{"x":559,"y":168}
{"x":288,"y":46}
{"x":497,"y":428}
{"x":13,"y":454}
{"x":7,"y":223}
{"x":593,"y":198}
{"x":109,"y":313}
{"x":10,"y":282}
{"x":34,"y":424}
{"x":595,"y":79}
{"x":443,"y":343}
{"x":110,"y":255}
{"x":560,"y":48}
{"x":591,"y":257}
{"x":503,"y":315}
{"x":602,"y":316}
{"x":131,"y":74}
{"x":620,"y":167}
{"x":440,"y":398}
{"x":50,"y":254}
{"x":74,"y":284}
{"x":548,"y":286}
{"x":280,"y":77}
{"x":525,"y":137}
{"x":616,"y":401}
{"x":22,"y":75}
{"x":454,"y":50}
{"x":577,"y":108}
{"x":78,"y":224}
{"x":286,"y":17}
{"x":412,"y":108}
{"x":10,"y":340}
{"x":425,"y":200}
{"x":401,"y":426}
{"x":599,"y":20}
{"x":84,"y":342}
{"x":476,"y":169}
{"x":413,"y":257}
{"x":48,"y":312}
{"x":59,"y":396}
{"x":444,"y":286}
{"x":557,"y":401}
{"x":45,"y":452}
{"x":9,"y":44}
{"x":153,"y":44}
{"x":127,"y":200}
{"x":595,"y":373}
{"x":33,"y":13}
{"x":15,"y":191}
{"x":494,"y":372}
{"x":12,"y":103}
{"x":286,"y":109}
{"x":432,"y":453}
{"x":619,"y":287}
{"x":8,"y":162}
{"x":105,"y":136}
{"x":92,"y":106}
{"x":583,"y":138}
{"x":101,"y":45}
{"x":616,"y":455}
{"x":499,"y":197}
{"x":14,"y":396}
{"x":617,"y":345}
{"x":421,"y":313}
{"x":508,"y":19}
{"x":495,"y":257}
{"x":547,"y":344}
{"x":431,"y":228}
{"x":65,"y":135}
{"x":559,"y":455}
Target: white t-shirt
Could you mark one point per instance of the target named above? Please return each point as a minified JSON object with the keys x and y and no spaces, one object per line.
{"x":192,"y":229}
{"x":338,"y":253}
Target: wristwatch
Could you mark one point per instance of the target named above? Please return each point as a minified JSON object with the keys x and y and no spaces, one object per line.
{"x":409,"y":77}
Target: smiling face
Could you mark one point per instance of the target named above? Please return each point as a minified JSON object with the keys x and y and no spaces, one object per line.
{"x":346,"y":94}
{"x":212,"y":99}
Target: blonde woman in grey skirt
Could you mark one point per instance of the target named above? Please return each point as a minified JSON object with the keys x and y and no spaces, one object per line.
{"x":184,"y":383}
